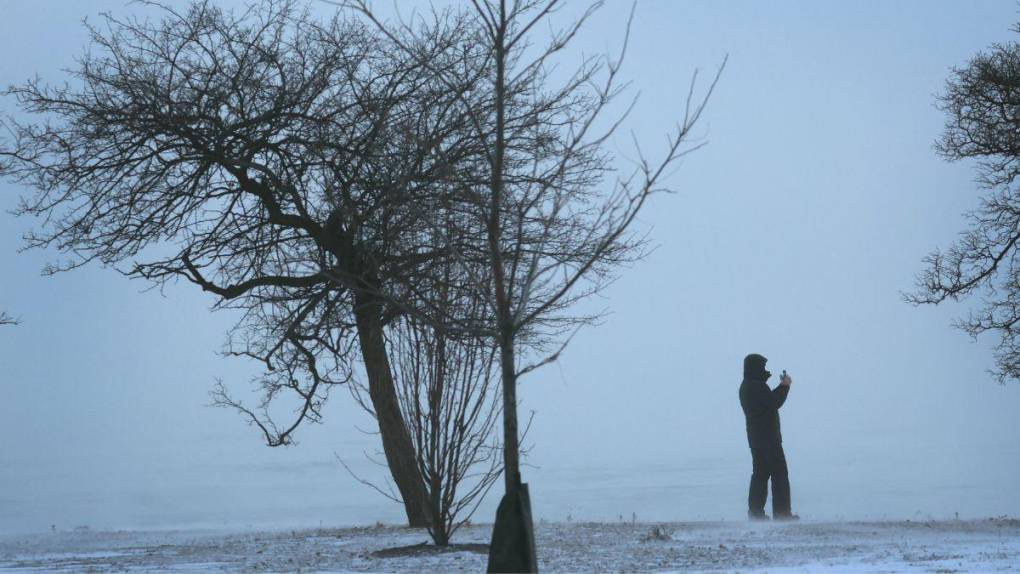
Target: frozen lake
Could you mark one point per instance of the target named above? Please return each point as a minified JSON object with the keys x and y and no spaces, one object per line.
{"x":290,"y":489}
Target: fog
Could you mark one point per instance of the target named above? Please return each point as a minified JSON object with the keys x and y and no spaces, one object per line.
{"x":793,"y":233}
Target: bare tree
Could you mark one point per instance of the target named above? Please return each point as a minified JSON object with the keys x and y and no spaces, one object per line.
{"x":265,"y":157}
{"x":982,"y":106}
{"x":446,"y":386}
{"x":550,"y":214}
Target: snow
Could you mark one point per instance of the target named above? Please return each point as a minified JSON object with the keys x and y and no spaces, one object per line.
{"x":950,"y":546}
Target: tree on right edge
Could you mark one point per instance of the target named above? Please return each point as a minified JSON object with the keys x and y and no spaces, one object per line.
{"x":550,"y":214}
{"x":982,"y":106}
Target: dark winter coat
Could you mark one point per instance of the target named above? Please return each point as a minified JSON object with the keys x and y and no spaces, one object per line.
{"x":761,"y":409}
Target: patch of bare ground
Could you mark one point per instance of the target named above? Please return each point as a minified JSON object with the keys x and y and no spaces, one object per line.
{"x":427,"y":549}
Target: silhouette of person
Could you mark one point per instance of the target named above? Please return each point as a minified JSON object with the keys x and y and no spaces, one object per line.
{"x":761,"y":410}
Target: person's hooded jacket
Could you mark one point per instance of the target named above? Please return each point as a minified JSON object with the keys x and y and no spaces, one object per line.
{"x":761,"y":404}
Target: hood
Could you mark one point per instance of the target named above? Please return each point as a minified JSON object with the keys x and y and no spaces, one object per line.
{"x":754,"y":367}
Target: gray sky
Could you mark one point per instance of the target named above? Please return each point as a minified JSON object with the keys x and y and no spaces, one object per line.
{"x":792,"y":235}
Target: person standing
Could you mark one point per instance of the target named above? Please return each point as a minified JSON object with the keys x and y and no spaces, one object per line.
{"x":761,"y":410}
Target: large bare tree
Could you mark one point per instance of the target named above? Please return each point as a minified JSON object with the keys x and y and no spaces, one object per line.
{"x":549,"y":210}
{"x":264,"y":156}
{"x":982,"y":107}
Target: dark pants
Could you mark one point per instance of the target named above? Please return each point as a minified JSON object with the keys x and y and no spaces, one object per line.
{"x":769,"y":463}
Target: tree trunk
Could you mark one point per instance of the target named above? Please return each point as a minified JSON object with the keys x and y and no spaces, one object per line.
{"x":511,"y":448}
{"x":400,"y":454}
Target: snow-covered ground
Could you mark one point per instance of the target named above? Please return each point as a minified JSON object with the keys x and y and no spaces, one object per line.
{"x":949,"y":546}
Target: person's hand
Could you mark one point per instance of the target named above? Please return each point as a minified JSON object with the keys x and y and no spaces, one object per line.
{"x":786,"y":380}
